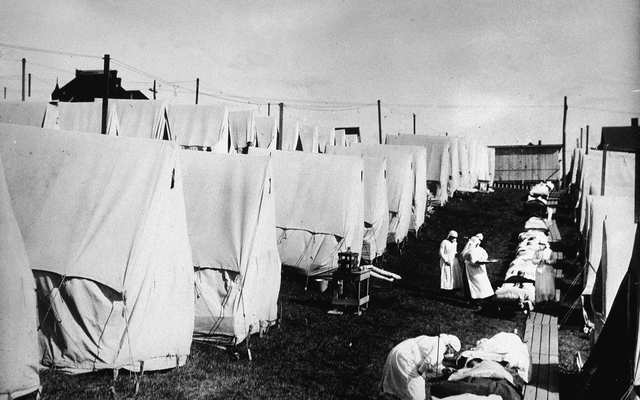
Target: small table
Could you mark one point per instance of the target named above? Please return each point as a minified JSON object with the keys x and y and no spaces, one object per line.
{"x":351,"y":289}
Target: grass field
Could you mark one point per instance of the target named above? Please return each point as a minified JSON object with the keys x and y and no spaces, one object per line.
{"x":314,"y":355}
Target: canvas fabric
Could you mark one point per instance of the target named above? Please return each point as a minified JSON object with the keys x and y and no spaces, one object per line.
{"x":231,"y":223}
{"x":326,"y":137}
{"x":309,"y":138}
{"x":80,"y":117}
{"x":146,"y":119}
{"x":266,"y":132}
{"x":104,"y":226}
{"x":617,"y":249}
{"x":200,"y":125}
{"x":290,"y":136}
{"x":242,"y":128}
{"x":399,"y":184}
{"x":19,"y":352}
{"x":319,"y":208}
{"x":31,"y":113}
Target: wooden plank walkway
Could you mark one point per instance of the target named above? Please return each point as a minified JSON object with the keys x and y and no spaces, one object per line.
{"x":541,"y":336}
{"x":554,"y":232}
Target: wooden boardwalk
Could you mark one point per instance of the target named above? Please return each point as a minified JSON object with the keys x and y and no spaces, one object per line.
{"x":541,"y":336}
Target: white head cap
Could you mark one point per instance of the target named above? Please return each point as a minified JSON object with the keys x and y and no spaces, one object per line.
{"x":451,"y":340}
{"x":480,"y":236}
{"x":453,"y":234}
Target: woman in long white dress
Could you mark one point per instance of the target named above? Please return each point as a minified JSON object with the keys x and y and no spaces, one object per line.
{"x":450,"y":272}
{"x":479,"y":284}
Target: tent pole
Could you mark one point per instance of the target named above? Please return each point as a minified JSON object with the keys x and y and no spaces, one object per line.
{"x":268,"y":109}
{"x":379,"y":123}
{"x":414,"y":123}
{"x":564,"y":140}
{"x":24,"y":65}
{"x":580,"y":137}
{"x":280,"y":132}
{"x":29,"y":85}
{"x":604,"y":170}
{"x":105,"y":94}
{"x":197,"y":89}
{"x":587,"y":141}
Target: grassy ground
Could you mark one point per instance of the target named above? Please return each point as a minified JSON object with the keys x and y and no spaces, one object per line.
{"x":314,"y":355}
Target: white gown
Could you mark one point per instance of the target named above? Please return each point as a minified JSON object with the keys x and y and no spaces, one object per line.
{"x":400,"y":376}
{"x":450,"y":272}
{"x":479,"y":284}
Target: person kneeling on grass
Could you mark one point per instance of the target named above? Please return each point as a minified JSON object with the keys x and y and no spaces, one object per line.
{"x":408,"y":362}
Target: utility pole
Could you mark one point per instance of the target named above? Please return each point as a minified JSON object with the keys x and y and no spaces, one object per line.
{"x":564,"y":140}
{"x":5,"y":92}
{"x":587,"y":141}
{"x":197,"y":89}
{"x":154,"y":91}
{"x":24,"y":66}
{"x":280,"y":132}
{"x":414,"y":123}
{"x":580,"y":138}
{"x":268,"y":109}
{"x":604,"y":170}
{"x":379,"y":123}
{"x":29,"y":86}
{"x":105,"y":94}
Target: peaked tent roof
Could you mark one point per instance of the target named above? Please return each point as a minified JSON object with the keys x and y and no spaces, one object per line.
{"x":145,"y":119}
{"x":18,"y":313}
{"x":111,"y":212}
{"x":200,"y":125}
{"x":242,"y":128}
{"x":266,"y":132}
{"x":80,"y":117}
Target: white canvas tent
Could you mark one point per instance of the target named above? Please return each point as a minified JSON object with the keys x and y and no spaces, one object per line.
{"x":104,"y":226}
{"x":438,"y":159}
{"x":266,"y":132}
{"x":31,"y":113}
{"x":418,"y":157}
{"x":242,"y":129}
{"x":376,"y":204}
{"x":200,"y":126}
{"x":400,"y":183}
{"x":319,"y":208}
{"x":290,"y":136}
{"x":80,"y":117}
{"x":231,"y":222}
{"x":309,"y":138}
{"x":326,"y":138}
{"x":19,"y":353}
{"x":145,"y":119}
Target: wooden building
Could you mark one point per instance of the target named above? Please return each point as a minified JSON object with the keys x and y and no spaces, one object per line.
{"x":89,"y":85}
{"x":621,"y":138}
{"x":527,"y":164}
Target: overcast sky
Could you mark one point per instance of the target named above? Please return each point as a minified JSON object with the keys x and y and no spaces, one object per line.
{"x":496,"y":70}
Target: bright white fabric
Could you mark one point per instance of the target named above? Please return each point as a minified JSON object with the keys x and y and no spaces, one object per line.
{"x":319,"y":208}
{"x":290,"y":136}
{"x":309,"y":138}
{"x":103,"y":221}
{"x":376,"y":205}
{"x":31,"y":113}
{"x":419,"y":168}
{"x":80,"y":117}
{"x":145,"y":119}
{"x":242,"y":129}
{"x":545,"y":283}
{"x":200,"y":125}
{"x":450,"y":272}
{"x":341,"y":140}
{"x":231,"y":224}
{"x":402,"y":372}
{"x":19,"y":353}
{"x":266,"y":132}
{"x":484,"y":369}
{"x":326,"y":137}
{"x":617,"y":210}
{"x":617,"y":248}
{"x":399,"y":184}
{"x":503,"y":346}
{"x":479,"y":284}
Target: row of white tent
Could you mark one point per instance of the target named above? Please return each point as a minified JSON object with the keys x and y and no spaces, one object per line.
{"x":606,"y":222}
{"x":119,"y":231}
{"x":605,"y":215}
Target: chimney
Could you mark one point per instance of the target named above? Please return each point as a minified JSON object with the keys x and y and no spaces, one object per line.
{"x":634,"y":122}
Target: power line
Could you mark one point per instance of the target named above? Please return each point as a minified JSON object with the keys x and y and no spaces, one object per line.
{"x":39,"y":50}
